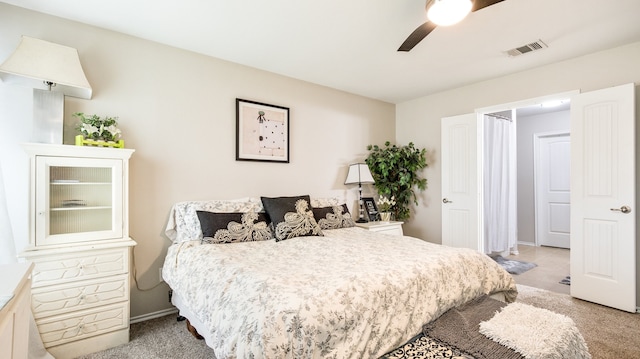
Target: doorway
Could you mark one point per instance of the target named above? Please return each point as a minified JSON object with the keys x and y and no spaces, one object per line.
{"x":463,"y":163}
{"x":552,"y":163}
{"x":534,"y":119}
{"x":603,"y":191}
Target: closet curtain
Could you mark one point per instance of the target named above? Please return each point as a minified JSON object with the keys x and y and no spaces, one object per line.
{"x":499,"y":185}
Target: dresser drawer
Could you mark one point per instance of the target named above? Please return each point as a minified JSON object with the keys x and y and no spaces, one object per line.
{"x":63,"y":268}
{"x":65,"y":298}
{"x":74,"y":326}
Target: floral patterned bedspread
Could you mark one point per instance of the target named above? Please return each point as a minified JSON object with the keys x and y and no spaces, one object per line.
{"x":350,"y":294}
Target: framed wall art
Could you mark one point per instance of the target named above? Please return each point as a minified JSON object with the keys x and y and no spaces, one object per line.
{"x":370,"y":209}
{"x":262,"y":132}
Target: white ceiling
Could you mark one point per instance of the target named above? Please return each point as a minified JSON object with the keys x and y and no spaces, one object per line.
{"x":351,"y":44}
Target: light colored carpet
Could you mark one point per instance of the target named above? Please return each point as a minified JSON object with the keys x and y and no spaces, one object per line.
{"x":609,"y":333}
{"x":160,"y":338}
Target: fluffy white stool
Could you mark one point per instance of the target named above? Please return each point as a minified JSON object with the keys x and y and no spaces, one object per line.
{"x":536,"y":333}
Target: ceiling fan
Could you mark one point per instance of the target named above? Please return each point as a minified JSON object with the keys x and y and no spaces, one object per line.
{"x":437,"y":7}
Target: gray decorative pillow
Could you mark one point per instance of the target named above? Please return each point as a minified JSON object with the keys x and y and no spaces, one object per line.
{"x":333,"y":217}
{"x":224,"y":227}
{"x":291,"y":217}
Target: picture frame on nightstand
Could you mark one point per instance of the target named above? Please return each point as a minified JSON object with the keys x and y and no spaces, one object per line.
{"x":370,"y":209}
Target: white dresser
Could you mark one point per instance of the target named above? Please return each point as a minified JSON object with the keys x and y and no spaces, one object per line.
{"x":390,"y":227}
{"x":15,"y":291}
{"x":80,"y":244}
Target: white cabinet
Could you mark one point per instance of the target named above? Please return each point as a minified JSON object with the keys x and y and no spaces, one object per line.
{"x":391,"y":227}
{"x":79,"y":241}
{"x":15,"y":288}
{"x":77,"y":200}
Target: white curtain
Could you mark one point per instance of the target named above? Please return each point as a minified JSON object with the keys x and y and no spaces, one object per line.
{"x":499,"y":185}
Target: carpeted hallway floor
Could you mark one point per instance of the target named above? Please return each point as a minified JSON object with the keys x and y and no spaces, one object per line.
{"x":609,"y":333}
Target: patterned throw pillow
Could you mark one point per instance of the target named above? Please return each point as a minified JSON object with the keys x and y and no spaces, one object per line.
{"x":234,"y":227}
{"x":333,"y":217}
{"x":291,"y":217}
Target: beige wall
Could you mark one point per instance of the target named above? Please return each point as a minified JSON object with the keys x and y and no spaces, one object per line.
{"x":177,"y":110}
{"x":419,"y":120}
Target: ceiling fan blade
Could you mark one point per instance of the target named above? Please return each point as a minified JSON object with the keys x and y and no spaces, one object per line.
{"x":423,"y":30}
{"x":481,"y":4}
{"x":417,"y":35}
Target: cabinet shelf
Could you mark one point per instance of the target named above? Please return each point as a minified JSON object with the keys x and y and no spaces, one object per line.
{"x":53,"y":183}
{"x":79,"y":208}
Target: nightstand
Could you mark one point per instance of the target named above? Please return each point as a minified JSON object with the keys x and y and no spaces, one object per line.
{"x":391,"y":227}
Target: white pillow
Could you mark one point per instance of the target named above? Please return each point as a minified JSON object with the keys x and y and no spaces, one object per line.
{"x":184,"y":225}
{"x":326,"y":202}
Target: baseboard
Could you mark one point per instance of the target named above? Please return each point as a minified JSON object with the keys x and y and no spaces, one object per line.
{"x":526,"y":244}
{"x":149,"y":316}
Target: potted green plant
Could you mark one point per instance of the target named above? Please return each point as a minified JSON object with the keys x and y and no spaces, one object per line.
{"x":397,"y":171}
{"x":98,"y":128}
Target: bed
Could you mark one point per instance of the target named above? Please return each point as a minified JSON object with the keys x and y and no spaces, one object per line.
{"x":337,"y":291}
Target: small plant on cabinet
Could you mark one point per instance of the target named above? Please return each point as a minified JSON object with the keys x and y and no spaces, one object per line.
{"x":98,"y":131}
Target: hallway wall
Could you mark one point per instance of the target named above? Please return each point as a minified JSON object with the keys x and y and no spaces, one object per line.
{"x":526,"y":127}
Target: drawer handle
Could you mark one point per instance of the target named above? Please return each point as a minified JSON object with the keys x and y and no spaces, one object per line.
{"x":84,"y":266}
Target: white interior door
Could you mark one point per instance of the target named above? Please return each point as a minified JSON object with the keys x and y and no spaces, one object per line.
{"x":460,"y":188}
{"x":552,"y":189}
{"x":603,"y":252}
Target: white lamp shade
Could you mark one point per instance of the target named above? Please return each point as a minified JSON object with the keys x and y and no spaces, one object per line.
{"x":448,"y":12}
{"x":35,"y":61}
{"x":359,"y":173}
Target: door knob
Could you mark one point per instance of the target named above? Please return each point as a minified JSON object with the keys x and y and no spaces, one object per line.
{"x":444,"y":200}
{"x":623,"y":209}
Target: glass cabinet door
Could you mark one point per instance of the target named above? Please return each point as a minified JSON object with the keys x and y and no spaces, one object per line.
{"x":77,"y":199}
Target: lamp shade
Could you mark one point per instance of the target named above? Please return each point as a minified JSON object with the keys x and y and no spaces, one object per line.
{"x":448,"y":12}
{"x":359,"y":173}
{"x":35,"y":61}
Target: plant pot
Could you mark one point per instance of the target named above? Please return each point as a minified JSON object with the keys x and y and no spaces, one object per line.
{"x":385,"y":216}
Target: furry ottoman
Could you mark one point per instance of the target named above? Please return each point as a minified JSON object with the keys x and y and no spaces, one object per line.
{"x":536,"y":333}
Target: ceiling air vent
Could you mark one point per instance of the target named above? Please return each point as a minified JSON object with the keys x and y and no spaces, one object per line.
{"x":537,"y":45}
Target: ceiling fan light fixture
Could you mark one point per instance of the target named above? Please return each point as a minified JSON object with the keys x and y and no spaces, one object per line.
{"x":448,"y":12}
